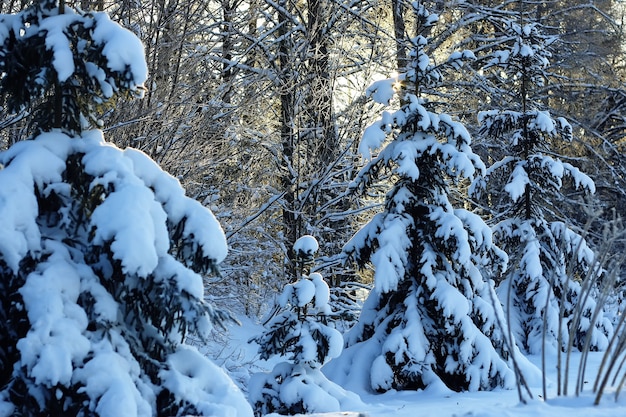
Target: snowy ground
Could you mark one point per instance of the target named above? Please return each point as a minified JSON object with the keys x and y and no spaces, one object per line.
{"x":234,"y":353}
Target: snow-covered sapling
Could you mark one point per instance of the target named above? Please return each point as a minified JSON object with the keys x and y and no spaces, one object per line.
{"x":429,"y":318}
{"x":524,"y":190}
{"x":299,"y":334}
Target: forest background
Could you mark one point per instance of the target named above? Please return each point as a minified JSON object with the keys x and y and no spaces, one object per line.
{"x":257,"y":107}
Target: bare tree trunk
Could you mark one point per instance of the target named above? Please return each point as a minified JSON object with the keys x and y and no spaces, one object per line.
{"x":399,"y":30}
{"x":229,"y":10}
{"x":320,"y":101}
{"x":287,"y":116}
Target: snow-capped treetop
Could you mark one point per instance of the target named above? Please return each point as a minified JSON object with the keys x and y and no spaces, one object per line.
{"x":528,"y":54}
{"x":306,"y":246}
{"x":406,"y":151}
{"x":83,"y":56}
{"x":529,"y":169}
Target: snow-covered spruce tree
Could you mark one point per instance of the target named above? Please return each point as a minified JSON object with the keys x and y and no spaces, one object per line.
{"x":525,"y":188}
{"x":430,"y":317}
{"x":100,"y":250}
{"x":300,"y":333}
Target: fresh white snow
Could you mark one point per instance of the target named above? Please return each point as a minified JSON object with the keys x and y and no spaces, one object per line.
{"x":437,"y":400}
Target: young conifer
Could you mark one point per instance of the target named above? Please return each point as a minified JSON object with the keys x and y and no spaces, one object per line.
{"x":430,"y":317}
{"x":101,"y":252}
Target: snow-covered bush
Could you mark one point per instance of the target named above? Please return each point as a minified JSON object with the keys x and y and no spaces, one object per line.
{"x":429,"y":318}
{"x":101,"y":252}
{"x":300,"y":334}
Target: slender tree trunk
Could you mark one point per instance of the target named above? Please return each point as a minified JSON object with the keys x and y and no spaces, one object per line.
{"x":86,"y":5}
{"x":528,"y":145}
{"x":399,"y":30}
{"x":326,"y":147}
{"x":287,"y":140}
{"x":58,"y":91}
{"x":228,"y":8}
{"x":320,"y":101}
{"x":253,"y":15}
